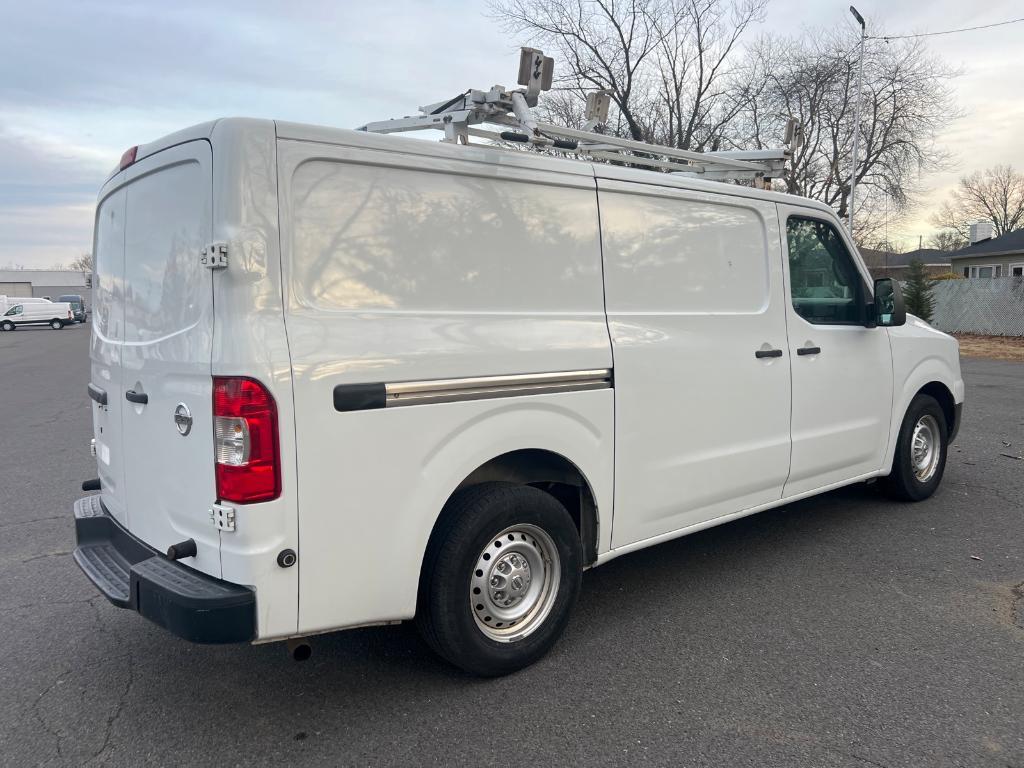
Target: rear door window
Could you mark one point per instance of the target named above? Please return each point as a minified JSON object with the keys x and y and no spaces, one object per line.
{"x":824,"y":283}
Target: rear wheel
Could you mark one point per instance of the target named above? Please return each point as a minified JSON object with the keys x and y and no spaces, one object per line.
{"x":56,"y":324}
{"x":920,"y":458}
{"x":501,"y":576}
{"x":7,"y":325}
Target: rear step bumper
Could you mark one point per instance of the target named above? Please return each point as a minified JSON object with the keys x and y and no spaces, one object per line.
{"x":131,"y":574}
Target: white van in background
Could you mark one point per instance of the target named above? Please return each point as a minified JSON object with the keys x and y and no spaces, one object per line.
{"x":37,"y":312}
{"x":6,"y":302}
{"x":348,"y":379}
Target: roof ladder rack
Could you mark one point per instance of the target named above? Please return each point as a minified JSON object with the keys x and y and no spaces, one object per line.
{"x":459,"y":117}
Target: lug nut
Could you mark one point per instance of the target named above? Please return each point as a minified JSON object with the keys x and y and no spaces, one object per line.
{"x":499,"y":596}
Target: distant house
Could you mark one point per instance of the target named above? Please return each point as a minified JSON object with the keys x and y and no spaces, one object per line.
{"x":987,"y":257}
{"x":887,"y":264}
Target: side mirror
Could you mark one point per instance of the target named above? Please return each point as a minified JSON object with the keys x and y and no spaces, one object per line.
{"x":889,"y":308}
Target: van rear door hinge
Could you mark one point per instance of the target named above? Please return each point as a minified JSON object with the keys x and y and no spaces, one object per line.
{"x":222,"y":517}
{"x":214,"y":256}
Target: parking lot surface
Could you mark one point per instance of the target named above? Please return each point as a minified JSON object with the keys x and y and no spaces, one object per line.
{"x":845,"y":630}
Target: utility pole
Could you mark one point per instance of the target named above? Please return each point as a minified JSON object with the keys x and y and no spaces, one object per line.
{"x":856,"y":117}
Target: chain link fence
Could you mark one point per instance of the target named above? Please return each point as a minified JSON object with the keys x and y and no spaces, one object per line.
{"x":993,"y":307}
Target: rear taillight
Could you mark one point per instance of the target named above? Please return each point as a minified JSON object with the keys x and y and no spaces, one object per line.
{"x":69,"y":314}
{"x":245,"y":441}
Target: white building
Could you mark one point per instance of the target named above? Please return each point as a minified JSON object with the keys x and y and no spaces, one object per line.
{"x":44,"y":282}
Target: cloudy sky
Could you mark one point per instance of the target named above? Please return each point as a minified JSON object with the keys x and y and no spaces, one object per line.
{"x":82,"y":80}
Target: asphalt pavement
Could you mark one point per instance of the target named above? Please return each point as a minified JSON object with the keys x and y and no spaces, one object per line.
{"x":845,"y":630}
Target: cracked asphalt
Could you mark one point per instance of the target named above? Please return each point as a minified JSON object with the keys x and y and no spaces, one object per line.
{"x":845,"y":630}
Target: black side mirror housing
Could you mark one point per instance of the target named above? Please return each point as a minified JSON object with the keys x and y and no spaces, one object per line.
{"x":889,"y":308}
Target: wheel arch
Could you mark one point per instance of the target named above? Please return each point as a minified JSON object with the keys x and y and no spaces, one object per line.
{"x":944,"y":396}
{"x":548,"y":471}
{"x":929,"y":378}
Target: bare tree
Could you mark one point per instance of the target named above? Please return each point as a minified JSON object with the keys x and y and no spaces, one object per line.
{"x":906,"y":103}
{"x":700,"y":90}
{"x":680,"y":74}
{"x":667,"y":63}
{"x":85,"y":264}
{"x":602,"y":44}
{"x":995,"y":194}
{"x":946,"y":240}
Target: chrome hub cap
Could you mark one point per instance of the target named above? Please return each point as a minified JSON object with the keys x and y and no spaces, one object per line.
{"x":925,"y":448}
{"x":514,"y":583}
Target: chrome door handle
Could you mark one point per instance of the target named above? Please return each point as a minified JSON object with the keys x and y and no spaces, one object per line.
{"x":809,"y":351}
{"x":767,"y":353}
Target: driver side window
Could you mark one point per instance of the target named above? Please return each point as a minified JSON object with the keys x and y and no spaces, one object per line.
{"x":824,"y":283}
{"x":15,"y":310}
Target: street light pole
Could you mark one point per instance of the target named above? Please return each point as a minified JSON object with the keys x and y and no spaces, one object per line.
{"x":856,"y":118}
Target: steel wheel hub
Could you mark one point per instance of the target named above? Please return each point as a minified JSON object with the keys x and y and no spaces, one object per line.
{"x":925,"y":448}
{"x":509,"y":579}
{"x":514,"y":583}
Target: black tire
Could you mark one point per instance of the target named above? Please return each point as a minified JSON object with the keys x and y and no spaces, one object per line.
{"x":7,"y":325}
{"x":56,"y":324}
{"x":903,"y":483}
{"x":471,"y":520}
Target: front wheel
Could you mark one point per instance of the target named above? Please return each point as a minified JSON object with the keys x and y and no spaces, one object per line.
{"x":501,"y":576}
{"x":56,"y":325}
{"x":7,"y":325}
{"x":920,"y":458}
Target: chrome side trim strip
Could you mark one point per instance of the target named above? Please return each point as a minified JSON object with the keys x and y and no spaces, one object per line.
{"x":485,"y":387}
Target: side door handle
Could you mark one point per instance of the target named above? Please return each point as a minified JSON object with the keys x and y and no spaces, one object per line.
{"x":132,"y":396}
{"x":767,"y":353}
{"x":97,"y":394}
{"x":809,"y":351}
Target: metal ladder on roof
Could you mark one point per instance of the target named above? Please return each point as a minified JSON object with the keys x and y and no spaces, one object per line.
{"x":459,"y":117}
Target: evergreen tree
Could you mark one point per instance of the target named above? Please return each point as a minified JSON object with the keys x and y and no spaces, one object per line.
{"x":917,"y":293}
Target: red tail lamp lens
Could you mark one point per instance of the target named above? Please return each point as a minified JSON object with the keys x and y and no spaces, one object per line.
{"x":248,"y":462}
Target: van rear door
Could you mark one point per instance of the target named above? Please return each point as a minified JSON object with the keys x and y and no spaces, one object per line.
{"x":106,"y":344}
{"x":164,"y":304}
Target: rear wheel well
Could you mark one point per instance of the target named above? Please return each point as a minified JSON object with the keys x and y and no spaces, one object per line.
{"x":552,"y":473}
{"x":944,"y":397}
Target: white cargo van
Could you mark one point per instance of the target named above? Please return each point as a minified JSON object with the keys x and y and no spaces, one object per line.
{"x":39,"y":312}
{"x":342,"y":379}
{"x":6,"y":302}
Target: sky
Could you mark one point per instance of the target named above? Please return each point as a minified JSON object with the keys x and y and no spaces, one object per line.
{"x":82,"y":80}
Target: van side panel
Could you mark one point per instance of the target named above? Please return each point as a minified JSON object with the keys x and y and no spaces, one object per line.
{"x":249,"y":340}
{"x":694,"y":289}
{"x":406,"y":268}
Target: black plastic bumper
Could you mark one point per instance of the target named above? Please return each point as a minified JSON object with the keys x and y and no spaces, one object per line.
{"x":130,"y":574}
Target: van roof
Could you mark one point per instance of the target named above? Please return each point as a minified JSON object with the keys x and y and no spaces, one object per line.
{"x":473,"y":153}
